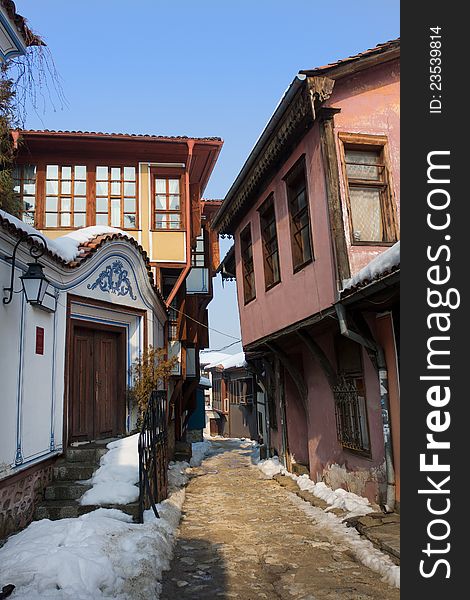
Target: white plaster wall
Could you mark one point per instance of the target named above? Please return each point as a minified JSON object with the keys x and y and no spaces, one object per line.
{"x":28,"y":385}
{"x":32,"y":386}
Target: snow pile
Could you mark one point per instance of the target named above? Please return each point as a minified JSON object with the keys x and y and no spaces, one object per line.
{"x":65,"y":247}
{"x":115,"y":482}
{"x":233,"y":361}
{"x":271,"y":467}
{"x":178,"y":475}
{"x":98,"y":555}
{"x":199,"y":451}
{"x":353,"y":504}
{"x":381,"y":264}
{"x":363,"y":549}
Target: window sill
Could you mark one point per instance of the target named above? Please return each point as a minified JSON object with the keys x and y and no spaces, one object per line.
{"x":367,"y":454}
{"x":249,"y":301}
{"x":273,"y":285}
{"x":385,"y":244}
{"x":303,"y":265}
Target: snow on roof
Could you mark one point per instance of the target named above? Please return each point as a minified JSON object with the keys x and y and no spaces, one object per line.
{"x":234,"y":361}
{"x":65,"y":247}
{"x":70,"y":243}
{"x":380,"y":265}
{"x":211,"y":356}
{"x":205,"y":382}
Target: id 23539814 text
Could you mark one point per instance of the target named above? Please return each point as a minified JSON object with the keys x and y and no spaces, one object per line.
{"x":435,"y":70}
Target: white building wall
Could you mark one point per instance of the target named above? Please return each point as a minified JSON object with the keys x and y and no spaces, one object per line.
{"x":32,"y":390}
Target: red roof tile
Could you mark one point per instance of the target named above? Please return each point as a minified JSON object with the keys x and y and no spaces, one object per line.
{"x":377,"y":50}
{"x":73,"y":133}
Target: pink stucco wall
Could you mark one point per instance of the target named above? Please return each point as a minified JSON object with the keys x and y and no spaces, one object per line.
{"x":299,"y":294}
{"x":316,"y":444}
{"x":369,"y":103}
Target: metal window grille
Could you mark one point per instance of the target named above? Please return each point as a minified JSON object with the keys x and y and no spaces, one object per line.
{"x":351,"y":418}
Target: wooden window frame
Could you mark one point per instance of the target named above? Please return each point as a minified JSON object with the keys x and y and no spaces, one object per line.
{"x":299,"y":170}
{"x":168,"y":174}
{"x":90,"y":165}
{"x":268,"y":253}
{"x":121,"y":197}
{"x":364,"y":142}
{"x":20,"y":181}
{"x":61,"y":196}
{"x":205,"y":253}
{"x":248,"y":265}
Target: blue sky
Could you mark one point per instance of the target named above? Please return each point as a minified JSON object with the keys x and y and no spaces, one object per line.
{"x":181,"y":67}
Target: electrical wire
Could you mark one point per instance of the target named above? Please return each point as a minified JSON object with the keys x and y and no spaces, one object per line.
{"x":220,"y":349}
{"x":207,"y":326}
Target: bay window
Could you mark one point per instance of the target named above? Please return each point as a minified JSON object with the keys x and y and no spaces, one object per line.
{"x":371,"y":211}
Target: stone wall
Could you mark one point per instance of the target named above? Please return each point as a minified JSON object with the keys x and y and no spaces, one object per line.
{"x":194,"y":435}
{"x":19,"y":495}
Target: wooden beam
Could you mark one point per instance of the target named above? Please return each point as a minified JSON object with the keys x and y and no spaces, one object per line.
{"x":335,"y":210}
{"x":295,"y":374}
{"x":320,"y":357}
{"x":253,"y":367}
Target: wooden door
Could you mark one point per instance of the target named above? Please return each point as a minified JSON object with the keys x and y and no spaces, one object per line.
{"x":97,"y":393}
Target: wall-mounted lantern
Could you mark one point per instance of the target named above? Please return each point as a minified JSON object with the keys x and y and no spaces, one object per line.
{"x":34,"y":282}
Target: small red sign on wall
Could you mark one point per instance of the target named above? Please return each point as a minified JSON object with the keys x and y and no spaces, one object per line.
{"x":39,"y":340}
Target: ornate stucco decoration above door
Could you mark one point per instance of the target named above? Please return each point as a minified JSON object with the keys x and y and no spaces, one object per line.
{"x":114,"y":280}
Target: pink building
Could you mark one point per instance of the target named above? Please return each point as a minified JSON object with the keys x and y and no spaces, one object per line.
{"x":316,"y":201}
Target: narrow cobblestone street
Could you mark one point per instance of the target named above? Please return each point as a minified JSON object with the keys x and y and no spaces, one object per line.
{"x":241,"y":536}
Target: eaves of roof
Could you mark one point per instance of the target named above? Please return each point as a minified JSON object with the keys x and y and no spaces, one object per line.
{"x":30,"y":39}
{"x":345,"y":66}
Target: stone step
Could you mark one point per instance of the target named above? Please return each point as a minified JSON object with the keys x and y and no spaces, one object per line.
{"x":85,"y":454}
{"x":65,"y":471}
{"x":65,"y":490}
{"x":55,"y":509}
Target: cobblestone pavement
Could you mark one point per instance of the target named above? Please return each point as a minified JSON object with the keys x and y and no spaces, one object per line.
{"x":242,"y":537}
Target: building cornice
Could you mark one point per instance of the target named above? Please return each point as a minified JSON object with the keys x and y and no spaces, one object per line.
{"x":292,"y":119}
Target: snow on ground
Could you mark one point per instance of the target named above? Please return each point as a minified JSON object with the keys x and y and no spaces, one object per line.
{"x":200,"y":451}
{"x":115,"y":482}
{"x":99,"y":555}
{"x":362,"y":548}
{"x":353,"y":504}
{"x":102,"y":554}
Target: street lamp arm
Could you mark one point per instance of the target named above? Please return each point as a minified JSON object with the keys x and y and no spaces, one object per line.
{"x":35,"y":251}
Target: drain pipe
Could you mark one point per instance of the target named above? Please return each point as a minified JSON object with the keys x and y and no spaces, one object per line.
{"x":383,"y":382}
